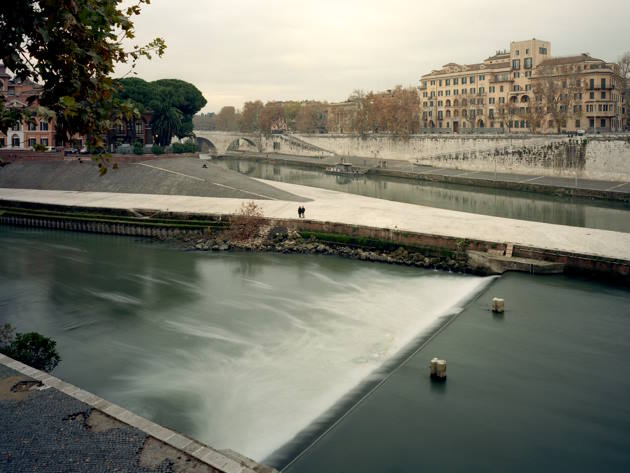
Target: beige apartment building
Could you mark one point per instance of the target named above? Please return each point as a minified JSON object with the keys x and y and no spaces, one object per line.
{"x":524,"y":90}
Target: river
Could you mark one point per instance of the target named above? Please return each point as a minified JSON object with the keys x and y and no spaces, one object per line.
{"x":239,"y":350}
{"x":577,"y":212}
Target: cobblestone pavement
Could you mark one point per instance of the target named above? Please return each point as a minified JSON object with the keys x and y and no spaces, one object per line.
{"x":44,"y":430}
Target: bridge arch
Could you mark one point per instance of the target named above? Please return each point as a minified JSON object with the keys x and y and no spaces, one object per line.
{"x":206,"y":146}
{"x":236,"y":144}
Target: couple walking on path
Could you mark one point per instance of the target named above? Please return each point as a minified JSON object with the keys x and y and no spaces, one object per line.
{"x":301,"y":211}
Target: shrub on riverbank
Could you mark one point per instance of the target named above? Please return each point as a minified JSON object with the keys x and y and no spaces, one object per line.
{"x":30,"y":348}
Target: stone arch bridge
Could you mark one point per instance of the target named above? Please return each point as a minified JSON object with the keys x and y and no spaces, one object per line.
{"x":219,"y":142}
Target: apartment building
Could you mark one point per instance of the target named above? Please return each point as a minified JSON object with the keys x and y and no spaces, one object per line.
{"x":524,"y":89}
{"x":23,"y":135}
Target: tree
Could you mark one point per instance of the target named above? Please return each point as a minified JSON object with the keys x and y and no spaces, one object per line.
{"x":72,"y":47}
{"x":227,"y":119}
{"x":162,"y":95}
{"x":204,"y":121}
{"x":166,"y":122}
{"x":290,"y":111}
{"x":271,"y":116}
{"x":558,"y":88}
{"x":624,"y":71}
{"x":30,"y":348}
{"x":250,"y":116}
{"x":311,"y":118}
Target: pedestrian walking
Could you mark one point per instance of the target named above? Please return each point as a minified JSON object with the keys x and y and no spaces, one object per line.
{"x":303,"y":210}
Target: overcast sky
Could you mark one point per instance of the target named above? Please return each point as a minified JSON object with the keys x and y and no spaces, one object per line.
{"x":239,"y":50}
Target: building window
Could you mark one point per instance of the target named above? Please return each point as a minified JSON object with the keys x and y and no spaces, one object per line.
{"x":482,"y":77}
{"x":472,"y":79}
{"x":603,"y":123}
{"x":591,"y":84}
{"x":591,"y":95}
{"x":440,"y":82}
{"x":481,"y":90}
{"x":516,"y":88}
{"x":463,"y":80}
{"x":491,"y":89}
{"x":603,"y":83}
{"x":542,"y":50}
{"x":432,"y":82}
{"x":464,"y":91}
{"x":43,"y":141}
{"x":516,"y":64}
{"x":138,"y":128}
{"x":603,"y":94}
{"x":500,"y":88}
{"x":448,"y":93}
{"x":528,"y":73}
{"x":517,"y":75}
{"x":1,"y":142}
{"x":528,"y":87}
{"x":527,"y":51}
{"x":32,"y":142}
{"x":472,"y":90}
{"x":32,"y":127}
{"x":577,"y":123}
{"x":440,"y":93}
{"x":455,"y":81}
{"x":15,"y":141}
{"x":518,"y":52}
{"x":527,"y":63}
{"x":43,"y":126}
{"x":448,"y":81}
{"x":455,"y":92}
{"x":491,"y":100}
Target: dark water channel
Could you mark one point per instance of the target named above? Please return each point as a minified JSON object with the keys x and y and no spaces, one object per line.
{"x":245,"y":351}
{"x":486,"y":201}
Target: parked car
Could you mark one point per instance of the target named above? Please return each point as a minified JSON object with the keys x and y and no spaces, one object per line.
{"x":580,"y":132}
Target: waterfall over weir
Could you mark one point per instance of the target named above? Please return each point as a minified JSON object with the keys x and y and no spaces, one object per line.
{"x":242,"y":351}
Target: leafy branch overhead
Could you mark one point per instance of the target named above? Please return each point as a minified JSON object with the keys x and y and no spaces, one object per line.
{"x":72,"y":48}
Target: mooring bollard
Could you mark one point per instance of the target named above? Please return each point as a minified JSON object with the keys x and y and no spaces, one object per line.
{"x":498,"y":305}
{"x":437,"y":369}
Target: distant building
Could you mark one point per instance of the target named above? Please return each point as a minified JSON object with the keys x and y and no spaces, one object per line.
{"x":131,"y":132}
{"x":524,"y":90}
{"x":24,"y":135}
{"x":342,"y":117}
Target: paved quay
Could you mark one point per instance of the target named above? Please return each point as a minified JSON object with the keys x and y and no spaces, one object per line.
{"x":332,"y":206}
{"x":418,"y":171}
{"x":51,"y":426}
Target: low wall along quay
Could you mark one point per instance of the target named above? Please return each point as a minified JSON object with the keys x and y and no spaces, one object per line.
{"x":208,"y":232}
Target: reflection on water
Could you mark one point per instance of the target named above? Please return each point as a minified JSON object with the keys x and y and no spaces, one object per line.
{"x":485,"y":201}
{"x":239,"y":350}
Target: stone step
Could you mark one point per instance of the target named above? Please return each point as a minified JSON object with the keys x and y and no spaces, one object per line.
{"x":509,"y":249}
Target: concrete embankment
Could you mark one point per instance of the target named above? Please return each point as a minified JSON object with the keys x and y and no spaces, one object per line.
{"x":219,"y":232}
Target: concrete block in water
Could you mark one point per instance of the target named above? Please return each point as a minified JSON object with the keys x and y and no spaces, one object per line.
{"x":498,"y":305}
{"x":437,"y":369}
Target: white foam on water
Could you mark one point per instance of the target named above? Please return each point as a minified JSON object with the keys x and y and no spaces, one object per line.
{"x":279,"y":363}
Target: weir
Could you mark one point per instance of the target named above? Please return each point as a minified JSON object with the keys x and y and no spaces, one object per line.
{"x":240,"y":351}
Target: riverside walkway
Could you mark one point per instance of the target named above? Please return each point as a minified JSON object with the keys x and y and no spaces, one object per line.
{"x":331,"y":206}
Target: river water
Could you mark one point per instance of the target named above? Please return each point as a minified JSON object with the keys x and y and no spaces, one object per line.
{"x":311,"y":361}
{"x":487,"y":201}
{"x":239,"y":350}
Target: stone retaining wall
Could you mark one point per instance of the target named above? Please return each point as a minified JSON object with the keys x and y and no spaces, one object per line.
{"x":602,"y":157}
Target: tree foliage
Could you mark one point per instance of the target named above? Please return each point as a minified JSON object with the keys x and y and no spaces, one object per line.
{"x":173,"y":103}
{"x":72,"y":47}
{"x":30,"y":348}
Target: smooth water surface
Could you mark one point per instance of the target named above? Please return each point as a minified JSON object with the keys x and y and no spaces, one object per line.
{"x":543,"y":388}
{"x":242,"y":351}
{"x":486,"y":201}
